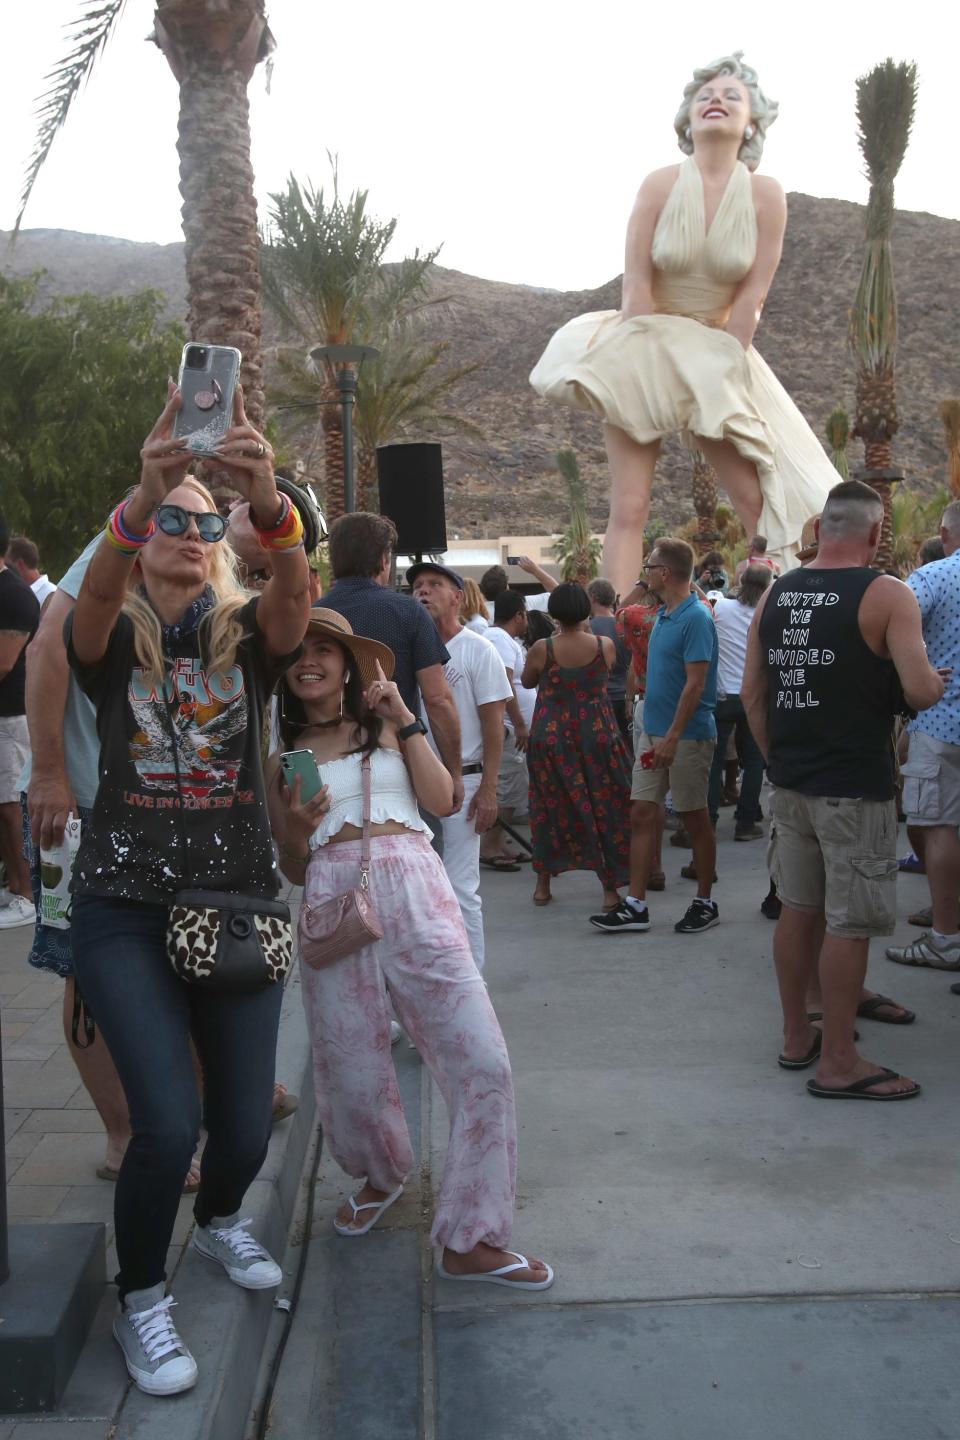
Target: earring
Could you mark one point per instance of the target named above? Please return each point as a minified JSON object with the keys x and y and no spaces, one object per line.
{"x":749,"y":133}
{"x":688,"y":133}
{"x":346,"y":678}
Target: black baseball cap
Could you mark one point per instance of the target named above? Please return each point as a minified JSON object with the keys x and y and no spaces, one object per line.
{"x":434,"y":565}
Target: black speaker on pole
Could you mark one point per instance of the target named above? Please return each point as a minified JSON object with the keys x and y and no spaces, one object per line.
{"x":411,"y":495}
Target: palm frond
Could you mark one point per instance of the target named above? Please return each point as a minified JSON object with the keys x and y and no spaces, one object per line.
{"x":88,"y":34}
{"x":886,"y":102}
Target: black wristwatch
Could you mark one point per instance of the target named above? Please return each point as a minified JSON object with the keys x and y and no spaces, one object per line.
{"x":416,"y":727}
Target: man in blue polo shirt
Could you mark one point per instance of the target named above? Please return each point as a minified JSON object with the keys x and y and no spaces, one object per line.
{"x":675,"y":750}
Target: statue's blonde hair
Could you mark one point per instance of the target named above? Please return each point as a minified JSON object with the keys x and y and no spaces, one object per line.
{"x":220,"y":629}
{"x":763,"y":111}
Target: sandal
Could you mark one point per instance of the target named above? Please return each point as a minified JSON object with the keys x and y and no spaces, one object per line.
{"x":284,"y":1104}
{"x":867,"y":1010}
{"x":860,"y":1089}
{"x":805,"y":1061}
{"x":190,"y":1186}
{"x":377,"y":1206}
{"x":499,"y":862}
{"x":657,"y":880}
{"x":502,"y":1276}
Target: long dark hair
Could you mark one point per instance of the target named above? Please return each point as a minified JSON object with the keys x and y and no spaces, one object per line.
{"x":292,"y":716}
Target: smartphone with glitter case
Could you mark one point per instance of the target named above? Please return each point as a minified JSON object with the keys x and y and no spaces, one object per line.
{"x":208,"y":378}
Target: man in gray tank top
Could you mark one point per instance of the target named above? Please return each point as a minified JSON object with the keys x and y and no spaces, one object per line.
{"x":835,"y":651}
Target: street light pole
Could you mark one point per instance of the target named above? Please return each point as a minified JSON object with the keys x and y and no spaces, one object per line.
{"x":344,"y":363}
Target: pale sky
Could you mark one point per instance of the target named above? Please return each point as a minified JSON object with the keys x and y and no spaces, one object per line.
{"x":514,"y":133}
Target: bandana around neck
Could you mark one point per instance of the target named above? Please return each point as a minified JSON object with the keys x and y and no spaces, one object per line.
{"x":189,"y":621}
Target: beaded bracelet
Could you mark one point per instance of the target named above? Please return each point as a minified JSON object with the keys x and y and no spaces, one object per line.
{"x":122,"y":539}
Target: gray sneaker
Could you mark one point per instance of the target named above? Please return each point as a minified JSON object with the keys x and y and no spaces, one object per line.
{"x":926,"y":952}
{"x":157,"y":1360}
{"x":229,"y":1243}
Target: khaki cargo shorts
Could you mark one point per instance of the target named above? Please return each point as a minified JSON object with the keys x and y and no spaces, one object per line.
{"x":838,"y":857}
{"x":931,"y":781}
{"x":688,"y":778}
{"x":513,"y":780}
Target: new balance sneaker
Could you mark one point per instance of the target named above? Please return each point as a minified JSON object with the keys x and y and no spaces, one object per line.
{"x":17,"y":911}
{"x":701,"y":915}
{"x":231,"y":1245}
{"x":625,"y":917}
{"x":926,"y":952}
{"x":157,"y":1360}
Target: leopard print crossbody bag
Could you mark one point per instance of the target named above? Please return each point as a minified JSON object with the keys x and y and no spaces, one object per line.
{"x":219,"y":941}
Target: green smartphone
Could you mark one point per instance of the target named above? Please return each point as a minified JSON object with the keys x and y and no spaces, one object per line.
{"x":302,"y":763}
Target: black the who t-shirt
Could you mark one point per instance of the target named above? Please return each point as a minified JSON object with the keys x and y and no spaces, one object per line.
{"x":150,"y":834}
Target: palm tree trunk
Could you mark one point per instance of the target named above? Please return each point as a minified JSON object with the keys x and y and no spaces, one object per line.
{"x":213,"y":48}
{"x":705,"y":502}
{"x":332,"y":422}
{"x":367,"y":496}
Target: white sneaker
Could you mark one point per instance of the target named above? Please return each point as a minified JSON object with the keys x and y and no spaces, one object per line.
{"x":396,"y":1032}
{"x":246,"y":1262}
{"x":17,"y":911}
{"x":157,"y":1360}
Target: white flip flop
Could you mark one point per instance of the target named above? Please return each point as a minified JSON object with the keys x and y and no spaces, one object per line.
{"x":501,"y":1276}
{"x":377,"y":1206}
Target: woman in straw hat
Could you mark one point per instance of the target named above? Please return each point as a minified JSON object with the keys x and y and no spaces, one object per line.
{"x":339,"y":702}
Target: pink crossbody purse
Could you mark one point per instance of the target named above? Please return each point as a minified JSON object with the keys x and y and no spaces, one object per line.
{"x":335,"y":929}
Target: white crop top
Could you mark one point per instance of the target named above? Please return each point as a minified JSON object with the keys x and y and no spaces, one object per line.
{"x":391,"y":798}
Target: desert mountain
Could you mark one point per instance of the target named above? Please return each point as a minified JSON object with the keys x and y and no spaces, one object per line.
{"x":506,"y":483}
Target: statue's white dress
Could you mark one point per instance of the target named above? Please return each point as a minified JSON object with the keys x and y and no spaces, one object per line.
{"x":678,"y":370}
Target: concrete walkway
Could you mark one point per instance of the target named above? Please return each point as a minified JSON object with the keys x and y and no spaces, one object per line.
{"x":734,"y":1258}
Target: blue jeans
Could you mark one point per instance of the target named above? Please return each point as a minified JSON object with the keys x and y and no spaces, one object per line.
{"x":730,"y":716}
{"x":147,"y":1016}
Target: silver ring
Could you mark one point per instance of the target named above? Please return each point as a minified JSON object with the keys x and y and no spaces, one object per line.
{"x":261,"y":449}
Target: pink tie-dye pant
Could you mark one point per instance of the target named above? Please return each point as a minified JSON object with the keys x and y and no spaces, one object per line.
{"x":424,"y":961}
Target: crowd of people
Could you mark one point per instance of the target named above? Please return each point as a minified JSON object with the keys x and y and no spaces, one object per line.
{"x":159,"y":691}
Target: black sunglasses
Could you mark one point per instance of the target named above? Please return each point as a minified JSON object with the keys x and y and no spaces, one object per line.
{"x":173,"y":520}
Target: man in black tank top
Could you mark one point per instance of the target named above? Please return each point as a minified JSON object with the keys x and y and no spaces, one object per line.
{"x":835,"y":652}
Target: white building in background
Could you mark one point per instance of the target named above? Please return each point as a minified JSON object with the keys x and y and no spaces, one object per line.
{"x":471,"y":557}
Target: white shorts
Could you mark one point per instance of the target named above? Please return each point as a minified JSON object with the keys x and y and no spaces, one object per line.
{"x":931,"y":781}
{"x":14,"y":753}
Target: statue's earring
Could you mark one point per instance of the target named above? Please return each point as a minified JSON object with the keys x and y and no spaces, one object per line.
{"x":749,"y":133}
{"x":688,"y":133}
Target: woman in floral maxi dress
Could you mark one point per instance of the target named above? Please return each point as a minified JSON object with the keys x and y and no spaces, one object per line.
{"x":579,"y":766}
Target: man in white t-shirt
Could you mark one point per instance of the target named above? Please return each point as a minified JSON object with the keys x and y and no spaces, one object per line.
{"x":478,"y":680}
{"x":24,"y":557}
{"x":733,"y":618}
{"x":513,"y":782}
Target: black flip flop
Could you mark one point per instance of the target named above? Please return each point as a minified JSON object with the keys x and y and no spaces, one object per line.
{"x":807,"y":1060}
{"x":867,"y":1008}
{"x":813,"y":1015}
{"x":860,"y":1089}
{"x":503,"y":865}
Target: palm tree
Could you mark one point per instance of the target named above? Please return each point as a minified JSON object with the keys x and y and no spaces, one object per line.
{"x":213,"y":48}
{"x":949,"y":411}
{"x":325,"y":279}
{"x":914,"y":520}
{"x":578,"y":552}
{"x":886,"y":99}
{"x":704,"y":502}
{"x":838,"y":437}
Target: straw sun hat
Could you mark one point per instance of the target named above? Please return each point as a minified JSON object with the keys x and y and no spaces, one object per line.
{"x":365,"y":652}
